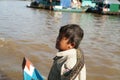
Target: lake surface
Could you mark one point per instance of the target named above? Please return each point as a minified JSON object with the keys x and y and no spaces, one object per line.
{"x":31,"y":33}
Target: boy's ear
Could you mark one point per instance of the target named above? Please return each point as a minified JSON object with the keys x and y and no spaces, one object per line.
{"x":73,"y":45}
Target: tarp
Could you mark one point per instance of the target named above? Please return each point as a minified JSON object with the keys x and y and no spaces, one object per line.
{"x":88,"y":3}
{"x":65,"y":3}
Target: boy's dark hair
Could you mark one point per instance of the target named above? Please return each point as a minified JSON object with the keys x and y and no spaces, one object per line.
{"x":73,"y":32}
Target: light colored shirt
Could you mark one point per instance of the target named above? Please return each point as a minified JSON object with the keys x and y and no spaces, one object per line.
{"x":70,"y":63}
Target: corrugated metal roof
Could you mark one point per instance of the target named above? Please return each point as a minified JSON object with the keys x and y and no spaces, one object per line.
{"x":107,"y":1}
{"x":112,"y":1}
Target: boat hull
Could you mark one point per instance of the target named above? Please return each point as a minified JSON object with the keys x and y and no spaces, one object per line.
{"x":94,"y":10}
{"x":110,"y":13}
{"x":78,"y":10}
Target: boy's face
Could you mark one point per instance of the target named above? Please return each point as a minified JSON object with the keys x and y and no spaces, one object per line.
{"x":62,"y":44}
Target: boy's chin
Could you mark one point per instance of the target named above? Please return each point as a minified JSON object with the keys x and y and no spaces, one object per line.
{"x":58,"y":49}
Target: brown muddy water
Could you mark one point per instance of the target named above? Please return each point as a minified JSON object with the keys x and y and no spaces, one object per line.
{"x":31,"y":33}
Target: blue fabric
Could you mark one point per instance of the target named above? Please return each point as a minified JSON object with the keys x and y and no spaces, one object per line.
{"x":65,"y":3}
{"x":27,"y":76}
{"x":35,"y":76}
{"x":38,"y":75}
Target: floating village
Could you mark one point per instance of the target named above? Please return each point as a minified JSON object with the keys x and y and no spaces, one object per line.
{"x":104,"y":7}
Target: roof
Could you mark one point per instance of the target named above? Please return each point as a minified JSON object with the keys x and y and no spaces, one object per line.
{"x":112,"y":1}
{"x":107,"y":1}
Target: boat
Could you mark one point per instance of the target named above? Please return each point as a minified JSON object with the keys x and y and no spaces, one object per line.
{"x":43,"y":4}
{"x":78,"y":10}
{"x":59,"y":5}
{"x":106,"y":7}
{"x":70,"y":6}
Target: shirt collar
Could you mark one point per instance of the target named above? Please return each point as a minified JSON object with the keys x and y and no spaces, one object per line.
{"x":67,"y":52}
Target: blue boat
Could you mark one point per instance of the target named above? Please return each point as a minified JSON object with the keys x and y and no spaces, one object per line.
{"x":70,"y":6}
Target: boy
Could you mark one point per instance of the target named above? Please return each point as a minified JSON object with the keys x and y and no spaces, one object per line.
{"x":69,"y":61}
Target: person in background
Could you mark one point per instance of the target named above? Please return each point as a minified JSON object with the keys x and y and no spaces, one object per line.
{"x":69,"y":61}
{"x":75,"y":4}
